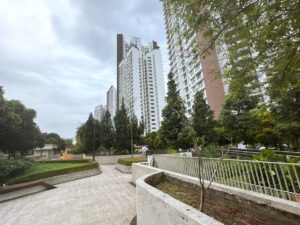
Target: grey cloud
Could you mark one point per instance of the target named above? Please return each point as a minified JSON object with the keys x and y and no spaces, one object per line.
{"x":63,"y":78}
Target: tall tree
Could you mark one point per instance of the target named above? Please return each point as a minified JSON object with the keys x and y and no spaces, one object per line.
{"x":202,"y":119}
{"x":122,"y":126}
{"x":174,"y":119}
{"x":287,"y":114}
{"x":90,"y":135}
{"x":107,"y":131}
{"x":18,"y":131}
{"x":236,"y":117}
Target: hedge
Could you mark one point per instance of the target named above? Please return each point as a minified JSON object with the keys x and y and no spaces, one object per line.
{"x":67,"y":161}
{"x":129,"y":161}
{"x":52,"y":173}
{"x":10,"y":168}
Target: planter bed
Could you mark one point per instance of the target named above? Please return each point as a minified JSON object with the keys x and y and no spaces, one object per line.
{"x":224,"y":207}
{"x":178,"y":195}
{"x":125,"y":164}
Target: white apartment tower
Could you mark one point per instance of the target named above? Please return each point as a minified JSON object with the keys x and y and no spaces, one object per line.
{"x":99,"y":111}
{"x":140,"y":81}
{"x":191,"y":72}
{"x":111,"y":101}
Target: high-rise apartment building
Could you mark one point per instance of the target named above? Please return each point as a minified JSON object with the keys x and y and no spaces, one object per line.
{"x":99,"y":111}
{"x":111,"y":101}
{"x":191,"y":72}
{"x":140,"y":81}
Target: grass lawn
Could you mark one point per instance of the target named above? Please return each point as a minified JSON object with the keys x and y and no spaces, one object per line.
{"x":40,"y":170}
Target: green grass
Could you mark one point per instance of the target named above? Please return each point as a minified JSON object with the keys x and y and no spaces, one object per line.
{"x":40,"y":170}
{"x":129,"y":161}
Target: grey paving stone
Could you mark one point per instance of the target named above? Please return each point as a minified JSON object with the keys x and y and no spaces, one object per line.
{"x":104,"y":199}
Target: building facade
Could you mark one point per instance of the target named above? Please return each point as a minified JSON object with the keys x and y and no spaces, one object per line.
{"x":140,"y":82}
{"x":191,"y":72}
{"x":111,"y":101}
{"x":99,"y":111}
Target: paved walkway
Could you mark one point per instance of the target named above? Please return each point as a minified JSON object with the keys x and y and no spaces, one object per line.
{"x":104,"y":199}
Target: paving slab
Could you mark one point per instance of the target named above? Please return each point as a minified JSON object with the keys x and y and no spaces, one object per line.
{"x":105,"y":199}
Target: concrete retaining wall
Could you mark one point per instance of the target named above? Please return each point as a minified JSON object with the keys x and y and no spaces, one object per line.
{"x":141,"y":169}
{"x":155,"y":207}
{"x":123,"y":169}
{"x":112,"y":159}
{"x":150,"y":201}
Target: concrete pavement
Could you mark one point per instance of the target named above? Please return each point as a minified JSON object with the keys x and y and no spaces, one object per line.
{"x":104,"y":199}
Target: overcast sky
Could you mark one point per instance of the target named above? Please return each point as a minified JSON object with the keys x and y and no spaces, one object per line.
{"x":59,"y":56}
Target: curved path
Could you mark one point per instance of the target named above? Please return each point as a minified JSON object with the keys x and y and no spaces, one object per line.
{"x":104,"y":199}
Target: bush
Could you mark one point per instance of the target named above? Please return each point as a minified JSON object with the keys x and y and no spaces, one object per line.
{"x":67,"y":161}
{"x":36,"y":176}
{"x":10,"y":168}
{"x":129,"y":161}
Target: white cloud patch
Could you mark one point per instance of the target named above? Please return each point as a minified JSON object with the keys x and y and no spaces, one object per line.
{"x":59,"y":56}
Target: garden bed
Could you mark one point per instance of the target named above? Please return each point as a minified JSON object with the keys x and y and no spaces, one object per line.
{"x":45,"y":169}
{"x":226,"y":208}
{"x":124,"y":164}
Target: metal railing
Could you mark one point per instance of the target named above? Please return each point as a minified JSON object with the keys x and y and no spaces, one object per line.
{"x":278,"y":179}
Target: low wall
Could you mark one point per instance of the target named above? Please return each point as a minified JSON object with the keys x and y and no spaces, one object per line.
{"x":123,"y":169}
{"x":155,"y":207}
{"x":141,"y":169}
{"x":150,"y":201}
{"x":112,"y":159}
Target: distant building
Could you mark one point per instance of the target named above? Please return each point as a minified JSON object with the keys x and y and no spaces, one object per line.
{"x":99,"y":111}
{"x":111,"y":101}
{"x":48,"y":151}
{"x":140,"y":81}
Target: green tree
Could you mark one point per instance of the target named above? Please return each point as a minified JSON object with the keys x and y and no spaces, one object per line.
{"x":263,"y":126}
{"x":236,"y":117}
{"x":122,"y":126}
{"x":107,"y":131}
{"x":287,"y":114}
{"x":90,"y":136}
{"x":174,"y":120}
{"x":202,"y":119}
{"x":18,"y":131}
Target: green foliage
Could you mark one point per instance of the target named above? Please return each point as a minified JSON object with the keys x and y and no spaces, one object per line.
{"x":287,"y":113}
{"x":107,"y":132}
{"x":10,"y":168}
{"x":129,"y":161}
{"x":49,"y":169}
{"x":153,"y":141}
{"x":263,"y":126}
{"x":122,"y":126}
{"x":271,"y":156}
{"x":174,"y":119}
{"x":268,"y":28}
{"x":236,"y":117}
{"x":202,"y":119}
{"x":18,"y":131}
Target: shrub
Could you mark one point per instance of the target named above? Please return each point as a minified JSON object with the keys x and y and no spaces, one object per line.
{"x":129,"y":161}
{"x":10,"y":168}
{"x":36,"y":176}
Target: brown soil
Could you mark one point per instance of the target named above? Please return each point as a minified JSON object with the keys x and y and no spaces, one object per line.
{"x":225,"y":208}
